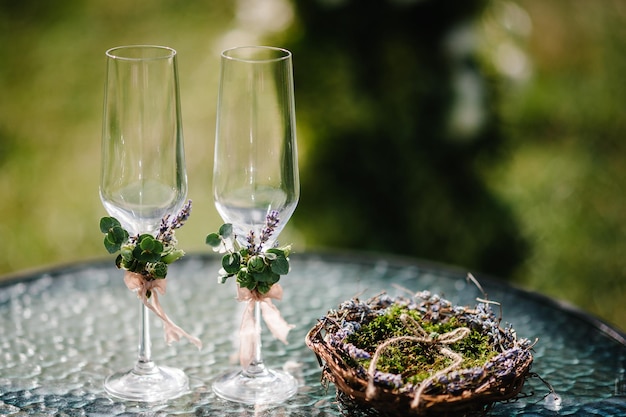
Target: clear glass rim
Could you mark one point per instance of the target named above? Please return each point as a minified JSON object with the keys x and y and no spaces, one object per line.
{"x":115,"y":52}
{"x":229,"y":54}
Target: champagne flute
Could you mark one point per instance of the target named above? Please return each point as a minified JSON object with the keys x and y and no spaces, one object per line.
{"x":143,"y":178}
{"x":255,"y":174}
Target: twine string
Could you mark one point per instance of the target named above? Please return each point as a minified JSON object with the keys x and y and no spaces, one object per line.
{"x":420,"y":336}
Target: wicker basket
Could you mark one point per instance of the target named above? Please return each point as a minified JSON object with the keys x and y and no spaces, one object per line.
{"x":501,"y":378}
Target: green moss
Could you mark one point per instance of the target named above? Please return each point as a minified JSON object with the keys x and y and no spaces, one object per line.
{"x":417,"y":361}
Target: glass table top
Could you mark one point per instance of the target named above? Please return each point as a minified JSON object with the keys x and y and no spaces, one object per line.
{"x":64,"y":330}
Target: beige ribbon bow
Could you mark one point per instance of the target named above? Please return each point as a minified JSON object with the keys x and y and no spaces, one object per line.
{"x":137,"y":282}
{"x":274,"y":321}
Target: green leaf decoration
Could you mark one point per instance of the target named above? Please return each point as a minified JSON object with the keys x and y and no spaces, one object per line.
{"x":118,"y":261}
{"x":263,"y":287}
{"x":255,"y":268}
{"x":127,"y":253}
{"x":148,"y":242}
{"x":133,"y":266}
{"x":159,"y":270}
{"x":144,"y":254}
{"x":146,"y":245}
{"x":246,"y":280}
{"x":148,"y":249}
{"x":280,"y":265}
{"x":107,"y":223}
{"x":173,"y":256}
{"x":256,"y":264}
{"x":214,"y":240}
{"x":226,"y":230}
{"x":110,"y":246}
{"x":282,"y":251}
{"x":266,"y":276}
{"x":231,"y":262}
{"x":118,"y":235}
{"x":115,"y":236}
{"x":276,"y":252}
{"x":150,"y":257}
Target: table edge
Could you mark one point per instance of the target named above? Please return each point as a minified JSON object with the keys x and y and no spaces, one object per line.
{"x":362,"y":257}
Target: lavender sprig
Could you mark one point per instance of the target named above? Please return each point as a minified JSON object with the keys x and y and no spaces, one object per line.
{"x":170,"y":223}
{"x":182,"y":216}
{"x":271,"y":221}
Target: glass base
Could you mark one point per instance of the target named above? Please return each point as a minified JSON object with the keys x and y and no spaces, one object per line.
{"x":270,"y":387}
{"x":157,"y":383}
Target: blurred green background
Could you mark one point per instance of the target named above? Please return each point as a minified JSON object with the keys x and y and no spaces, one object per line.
{"x":485,"y":134}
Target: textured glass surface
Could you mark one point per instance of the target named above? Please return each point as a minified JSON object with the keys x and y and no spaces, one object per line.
{"x":62,"y":332}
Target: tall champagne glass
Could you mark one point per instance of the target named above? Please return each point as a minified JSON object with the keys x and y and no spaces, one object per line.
{"x":143,"y":178}
{"x":255,"y":174}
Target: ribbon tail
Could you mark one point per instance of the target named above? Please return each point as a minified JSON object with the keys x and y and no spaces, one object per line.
{"x":248,"y":336}
{"x":135,"y":282}
{"x":173,"y":333}
{"x":274,"y":321}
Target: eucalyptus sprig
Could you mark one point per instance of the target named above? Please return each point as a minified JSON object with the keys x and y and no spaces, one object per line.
{"x":143,"y":253}
{"x":254,"y":268}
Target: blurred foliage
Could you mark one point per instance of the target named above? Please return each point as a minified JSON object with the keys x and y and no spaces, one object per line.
{"x":486,"y":134}
{"x":399,"y":118}
{"x":563,"y":112}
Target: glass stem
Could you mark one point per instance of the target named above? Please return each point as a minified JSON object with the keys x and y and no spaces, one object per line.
{"x":144,"y":363}
{"x":257,"y":367}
